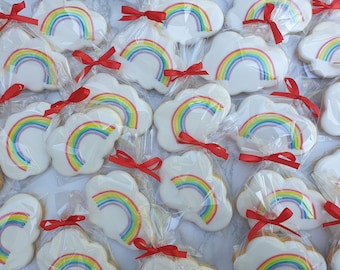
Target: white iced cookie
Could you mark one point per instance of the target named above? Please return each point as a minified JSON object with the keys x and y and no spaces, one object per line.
{"x":116,"y":206}
{"x":144,"y":55}
{"x":244,"y":64}
{"x":320,"y":50}
{"x":268,"y":194}
{"x":191,"y":20}
{"x":189,"y":185}
{"x":166,"y":263}
{"x":135,"y":113}
{"x":31,"y":61}
{"x":19,"y":229}
{"x":22,"y":149}
{"x":80,"y":145}
{"x":334,"y":258}
{"x":197,"y":112}
{"x":70,"y":25}
{"x":290,"y":16}
{"x":331,"y":109}
{"x":268,"y":127}
{"x":71,"y":249}
{"x":270,"y":252}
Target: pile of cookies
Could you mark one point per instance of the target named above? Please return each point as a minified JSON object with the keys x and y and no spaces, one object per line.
{"x":147,"y":119}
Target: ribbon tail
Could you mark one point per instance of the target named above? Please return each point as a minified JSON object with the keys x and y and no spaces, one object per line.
{"x":83,"y":73}
{"x":278,"y":37}
{"x":258,"y":226}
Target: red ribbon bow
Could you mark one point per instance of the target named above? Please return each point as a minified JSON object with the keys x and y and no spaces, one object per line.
{"x":149,"y":167}
{"x":334,"y":211}
{"x":263,"y":221}
{"x":13,"y":15}
{"x":185,"y":138}
{"x":90,"y":63}
{"x":193,"y":70}
{"x":285,"y":158}
{"x":169,"y":250}
{"x":268,"y":9}
{"x":295,"y":94}
{"x":77,"y":96}
{"x":320,"y":6}
{"x":134,"y":14}
{"x":12,"y":92}
{"x":52,"y":224}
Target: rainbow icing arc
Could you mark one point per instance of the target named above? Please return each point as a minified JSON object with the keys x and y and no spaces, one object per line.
{"x":328,"y":49}
{"x":204,"y":103}
{"x":75,"y":260}
{"x":286,"y":261}
{"x":13,"y":138}
{"x":273,"y":120}
{"x":13,"y":219}
{"x":118,"y":199}
{"x":302,"y":201}
{"x":184,"y":9}
{"x":145,"y":46}
{"x":295,"y":13}
{"x":73,"y":154}
{"x":123,"y":104}
{"x":210,"y":204}
{"x":259,"y":57}
{"x":27,"y":55}
{"x":80,"y":16}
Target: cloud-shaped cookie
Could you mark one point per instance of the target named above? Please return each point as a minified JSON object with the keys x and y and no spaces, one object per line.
{"x":22,"y":149}
{"x":197,"y":112}
{"x":265,"y":127}
{"x":268,"y":193}
{"x":320,"y":49}
{"x":70,"y":25}
{"x":166,"y":263}
{"x":329,"y":120}
{"x":186,"y":22}
{"x":291,"y":16}
{"x":31,"y":61}
{"x":135,"y":112}
{"x":71,"y":248}
{"x":270,"y":252}
{"x":116,"y":206}
{"x":144,"y":55}
{"x":80,"y":145}
{"x":244,"y":64}
{"x":19,"y":218}
{"x":189,"y":185}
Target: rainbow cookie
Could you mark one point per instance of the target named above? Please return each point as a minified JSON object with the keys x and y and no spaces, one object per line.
{"x":71,"y":249}
{"x":249,"y":57}
{"x":144,"y":55}
{"x":265,"y":127}
{"x":167,"y":263}
{"x":81,"y":144}
{"x":70,"y":25}
{"x":19,"y":229}
{"x":189,"y":186}
{"x":22,"y":149}
{"x":116,"y":206}
{"x":197,"y":112}
{"x":321,"y":50}
{"x":291,"y":16}
{"x":271,"y":252}
{"x":329,"y":120}
{"x":31,"y":61}
{"x":106,"y":91}
{"x":191,"y":20}
{"x":268,"y":193}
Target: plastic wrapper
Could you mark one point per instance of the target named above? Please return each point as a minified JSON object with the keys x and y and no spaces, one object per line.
{"x":244,"y":57}
{"x":20,"y":218}
{"x":268,"y":250}
{"x":272,"y":189}
{"x":334,"y":255}
{"x":189,"y":185}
